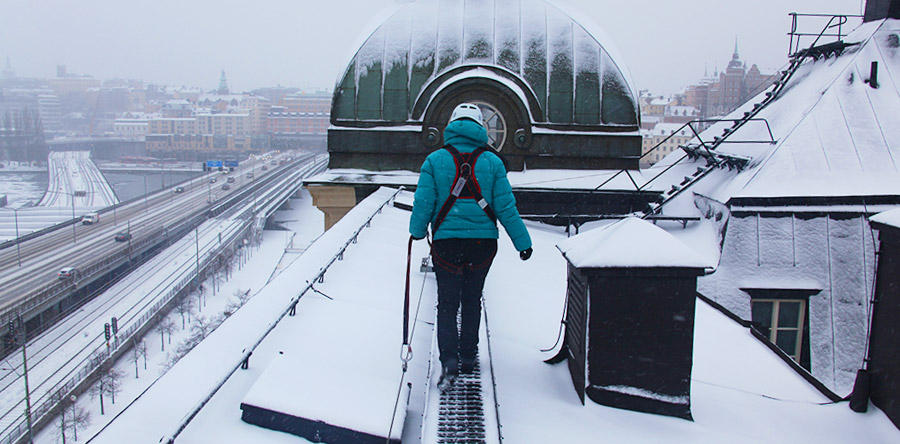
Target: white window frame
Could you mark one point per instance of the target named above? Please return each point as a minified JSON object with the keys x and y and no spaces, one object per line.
{"x":775,"y":329}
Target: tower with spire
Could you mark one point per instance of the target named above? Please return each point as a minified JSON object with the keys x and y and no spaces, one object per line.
{"x":8,"y":72}
{"x":223,"y":84}
{"x":735,"y":58}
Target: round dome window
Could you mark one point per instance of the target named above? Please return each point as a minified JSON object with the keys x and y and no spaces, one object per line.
{"x":494,"y":123}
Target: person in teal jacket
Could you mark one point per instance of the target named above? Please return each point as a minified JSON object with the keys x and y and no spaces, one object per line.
{"x":465,"y":241}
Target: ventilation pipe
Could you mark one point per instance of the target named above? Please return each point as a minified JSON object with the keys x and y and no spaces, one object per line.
{"x":873,"y":75}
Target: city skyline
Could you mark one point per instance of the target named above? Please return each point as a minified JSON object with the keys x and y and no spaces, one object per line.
{"x":261,"y":45}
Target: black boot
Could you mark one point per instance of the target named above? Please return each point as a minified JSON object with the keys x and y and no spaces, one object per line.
{"x":467,"y":365}
{"x":448,"y":377}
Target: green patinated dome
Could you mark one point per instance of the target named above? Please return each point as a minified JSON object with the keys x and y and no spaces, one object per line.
{"x":562,"y":74}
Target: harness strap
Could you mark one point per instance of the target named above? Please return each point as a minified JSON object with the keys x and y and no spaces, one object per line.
{"x":464,"y":181}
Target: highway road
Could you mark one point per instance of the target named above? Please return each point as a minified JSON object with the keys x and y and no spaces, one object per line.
{"x":75,"y":177}
{"x":43,"y":257}
{"x":60,"y":357}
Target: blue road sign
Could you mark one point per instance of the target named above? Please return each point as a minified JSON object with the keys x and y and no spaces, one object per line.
{"x":213,"y":163}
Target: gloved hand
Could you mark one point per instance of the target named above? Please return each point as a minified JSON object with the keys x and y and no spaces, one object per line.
{"x":525,"y":254}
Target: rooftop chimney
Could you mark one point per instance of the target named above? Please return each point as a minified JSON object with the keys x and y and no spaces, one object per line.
{"x":881,"y":9}
{"x":630,"y":317}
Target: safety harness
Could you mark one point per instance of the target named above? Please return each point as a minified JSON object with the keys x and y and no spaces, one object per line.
{"x":465,"y":185}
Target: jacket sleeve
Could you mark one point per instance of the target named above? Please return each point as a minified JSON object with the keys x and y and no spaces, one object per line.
{"x":504,"y":205}
{"x":424,"y":202}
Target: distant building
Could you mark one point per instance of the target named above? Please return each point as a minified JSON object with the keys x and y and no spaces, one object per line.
{"x":132,"y":126}
{"x":725,"y":91}
{"x":188,"y":137}
{"x":65,"y":83}
{"x":300,"y":120}
{"x":666,"y":137}
{"x":301,"y":114}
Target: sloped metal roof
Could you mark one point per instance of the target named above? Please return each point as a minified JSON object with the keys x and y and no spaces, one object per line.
{"x":835,"y":134}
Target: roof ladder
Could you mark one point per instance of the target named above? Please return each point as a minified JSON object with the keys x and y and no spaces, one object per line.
{"x":461,"y":411}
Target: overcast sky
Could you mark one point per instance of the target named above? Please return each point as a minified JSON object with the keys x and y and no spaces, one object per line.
{"x":307,"y":43}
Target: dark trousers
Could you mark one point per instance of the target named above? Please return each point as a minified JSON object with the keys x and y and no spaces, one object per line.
{"x":460,"y":265}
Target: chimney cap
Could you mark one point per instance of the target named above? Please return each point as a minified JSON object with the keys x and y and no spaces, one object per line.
{"x":630,"y":243}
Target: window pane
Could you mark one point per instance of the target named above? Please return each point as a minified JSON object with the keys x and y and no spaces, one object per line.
{"x":789,"y":314}
{"x":787,"y":341}
{"x":762,"y":314}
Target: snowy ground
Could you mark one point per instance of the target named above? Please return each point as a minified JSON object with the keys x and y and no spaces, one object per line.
{"x":251,"y":275}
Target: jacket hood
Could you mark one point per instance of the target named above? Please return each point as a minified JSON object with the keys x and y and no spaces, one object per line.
{"x":465,"y":134}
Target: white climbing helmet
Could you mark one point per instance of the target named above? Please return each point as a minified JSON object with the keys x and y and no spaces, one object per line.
{"x":467,"y":111}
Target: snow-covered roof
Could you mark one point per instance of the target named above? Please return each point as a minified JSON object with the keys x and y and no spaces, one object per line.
{"x":835,"y":135}
{"x":666,"y":129}
{"x":221,"y":97}
{"x":741,"y":392}
{"x":630,"y":243}
{"x":889,"y":218}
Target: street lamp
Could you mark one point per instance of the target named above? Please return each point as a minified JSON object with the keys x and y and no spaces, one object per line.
{"x":74,"y":222}
{"x":18,"y":252}
{"x":145,"y":192}
{"x":73,"y":398}
{"x":114,"y":204}
{"x":14,"y":333}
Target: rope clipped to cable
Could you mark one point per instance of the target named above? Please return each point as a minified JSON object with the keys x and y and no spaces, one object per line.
{"x":406,"y":352}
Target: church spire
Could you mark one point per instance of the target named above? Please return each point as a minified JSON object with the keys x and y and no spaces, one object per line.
{"x":223,"y":84}
{"x":8,"y":72}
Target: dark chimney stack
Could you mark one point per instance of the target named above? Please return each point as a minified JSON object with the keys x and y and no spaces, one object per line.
{"x":881,"y":9}
{"x":630,"y":317}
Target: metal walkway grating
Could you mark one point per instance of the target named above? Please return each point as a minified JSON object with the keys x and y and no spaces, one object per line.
{"x":461,"y":411}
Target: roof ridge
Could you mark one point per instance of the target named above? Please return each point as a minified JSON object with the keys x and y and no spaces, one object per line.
{"x":779,"y":143}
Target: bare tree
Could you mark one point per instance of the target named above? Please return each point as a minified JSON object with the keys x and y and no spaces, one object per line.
{"x":140,"y":350}
{"x":240,"y":297}
{"x":165,"y":326}
{"x":81,"y":417}
{"x":217,"y":279}
{"x":228,"y":266}
{"x":71,"y":416}
{"x":184,"y":307}
{"x":108,"y":383}
{"x":113,"y":382}
{"x":202,"y":327}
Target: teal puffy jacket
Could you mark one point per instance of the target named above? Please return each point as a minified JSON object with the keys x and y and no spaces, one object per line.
{"x":466,"y":219}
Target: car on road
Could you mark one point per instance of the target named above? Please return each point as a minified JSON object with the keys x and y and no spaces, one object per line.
{"x":230,"y":180}
{"x":212,"y":180}
{"x":178,"y":189}
{"x":264,"y":168}
{"x":90,"y":218}
{"x":249,"y":175}
{"x":226,"y":187}
{"x":123,"y":236}
{"x":67,"y":273}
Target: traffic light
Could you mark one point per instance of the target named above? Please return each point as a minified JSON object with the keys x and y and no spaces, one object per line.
{"x":115,"y":325}
{"x":106,"y":331}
